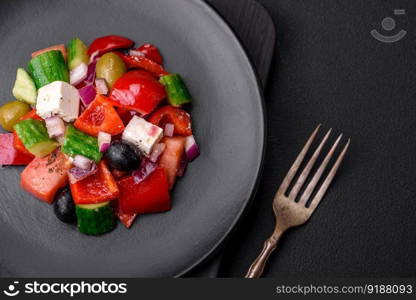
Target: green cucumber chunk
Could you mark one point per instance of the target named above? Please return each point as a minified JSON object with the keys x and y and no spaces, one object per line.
{"x":24,"y":87}
{"x":95,"y":219}
{"x":48,"y":67}
{"x":35,"y":138}
{"x":78,"y":143}
{"x":176,"y":89}
{"x":77,"y":53}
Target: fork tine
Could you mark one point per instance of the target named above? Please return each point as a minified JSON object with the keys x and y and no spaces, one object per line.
{"x":294,"y":168}
{"x":311,"y":186}
{"x":305,"y":173}
{"x":322,"y":190}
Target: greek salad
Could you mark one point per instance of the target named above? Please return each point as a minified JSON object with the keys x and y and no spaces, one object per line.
{"x":102,"y":131}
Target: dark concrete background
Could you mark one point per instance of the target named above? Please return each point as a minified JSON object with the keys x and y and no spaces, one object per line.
{"x":328,"y":69}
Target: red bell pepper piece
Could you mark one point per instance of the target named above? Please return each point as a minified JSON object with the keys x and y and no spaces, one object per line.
{"x":97,"y":188}
{"x":9,"y":155}
{"x":60,"y":47}
{"x":173,"y":115}
{"x":110,"y":42}
{"x":126,"y":219}
{"x":17,"y":143}
{"x":142,"y":62}
{"x":137,"y":90}
{"x":43,"y":177}
{"x":171,"y":158}
{"x":151,"y":52}
{"x":100,"y":115}
{"x":125,"y":114}
{"x":148,"y":196}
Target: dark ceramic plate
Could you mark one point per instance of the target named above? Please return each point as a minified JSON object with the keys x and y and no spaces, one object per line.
{"x":228,"y":122}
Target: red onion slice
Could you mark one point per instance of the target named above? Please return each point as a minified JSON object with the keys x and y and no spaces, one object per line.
{"x":91,"y":72}
{"x":101,"y":86}
{"x":78,"y":75}
{"x":87,"y":94}
{"x":191,"y":148}
{"x":77,"y":174}
{"x":169,"y":129}
{"x":104,"y":141}
{"x":182,"y":166}
{"x":157,"y":151}
{"x":94,"y":57}
{"x":146,"y":168}
{"x":55,"y":126}
{"x":82,"y":162}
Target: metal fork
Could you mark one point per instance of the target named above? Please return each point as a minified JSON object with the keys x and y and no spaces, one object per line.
{"x":290,"y":213}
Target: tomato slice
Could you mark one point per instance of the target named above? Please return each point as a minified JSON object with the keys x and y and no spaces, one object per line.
{"x":174,"y":115}
{"x":43,"y":177}
{"x":97,"y":188}
{"x":171,"y":158}
{"x":148,"y":196}
{"x":100,"y":115}
{"x":137,"y":90}
{"x":9,"y":155}
{"x":17,"y":143}
{"x":60,"y":47}
{"x":126,"y":219}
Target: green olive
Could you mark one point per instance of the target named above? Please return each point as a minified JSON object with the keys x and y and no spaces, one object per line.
{"x":11,"y":112}
{"x":110,"y":67}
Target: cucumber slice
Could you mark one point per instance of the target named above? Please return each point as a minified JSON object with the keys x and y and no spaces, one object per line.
{"x":35,"y":138}
{"x":76,"y":142}
{"x":77,"y":53}
{"x":95,"y":219}
{"x":24,"y":87}
{"x":48,"y":67}
{"x":176,"y":89}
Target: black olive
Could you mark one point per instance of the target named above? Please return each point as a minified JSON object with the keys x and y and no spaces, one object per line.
{"x":122,"y":156}
{"x":64,"y":206}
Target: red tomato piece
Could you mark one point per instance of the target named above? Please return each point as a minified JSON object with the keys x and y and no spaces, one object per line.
{"x":9,"y":155}
{"x":110,"y":42}
{"x":148,"y":196}
{"x":126,"y":219}
{"x":174,"y":115}
{"x":97,"y":188}
{"x":142,"y":62}
{"x":137,"y":90}
{"x":151,"y":52}
{"x":43,"y":177}
{"x":100,"y":115}
{"x":17,"y":143}
{"x":171,"y":158}
{"x":60,"y":47}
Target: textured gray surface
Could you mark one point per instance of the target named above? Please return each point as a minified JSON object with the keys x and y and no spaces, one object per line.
{"x":254,"y":27}
{"x":329,"y":69}
{"x":228,"y":120}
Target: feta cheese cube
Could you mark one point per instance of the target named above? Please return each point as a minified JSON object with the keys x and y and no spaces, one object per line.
{"x":58,"y":98}
{"x":142,"y":134}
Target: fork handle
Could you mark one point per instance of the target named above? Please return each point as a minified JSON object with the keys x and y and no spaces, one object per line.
{"x":257,"y":267}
